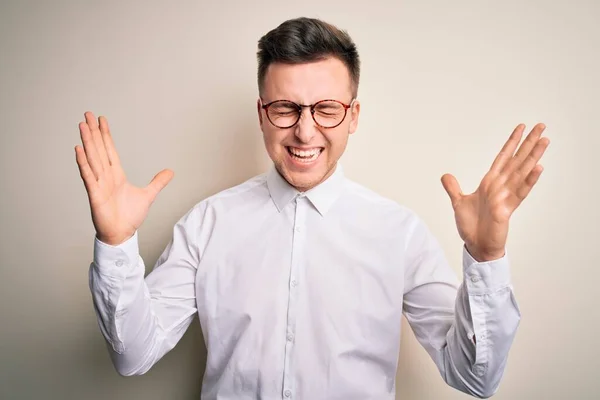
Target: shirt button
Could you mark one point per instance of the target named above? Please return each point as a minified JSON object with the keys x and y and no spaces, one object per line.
{"x":290,"y":337}
{"x":298,"y":229}
{"x":479,"y":370}
{"x":475,"y":278}
{"x":119,"y":263}
{"x":287,"y":393}
{"x":294,"y":283}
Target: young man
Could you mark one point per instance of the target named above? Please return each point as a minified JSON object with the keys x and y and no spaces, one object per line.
{"x":300,"y":276}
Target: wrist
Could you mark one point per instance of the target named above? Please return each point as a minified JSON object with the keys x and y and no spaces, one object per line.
{"x":484,"y":255}
{"x":114,"y":240}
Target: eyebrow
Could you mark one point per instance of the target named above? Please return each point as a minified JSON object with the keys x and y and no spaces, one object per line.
{"x":283,"y":105}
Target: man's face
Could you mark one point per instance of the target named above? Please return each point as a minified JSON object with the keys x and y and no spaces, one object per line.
{"x":321,"y":147}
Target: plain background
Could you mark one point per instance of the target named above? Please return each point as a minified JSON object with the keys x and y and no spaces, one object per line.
{"x":443,"y":85}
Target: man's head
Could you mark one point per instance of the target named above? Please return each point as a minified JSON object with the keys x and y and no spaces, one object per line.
{"x":305,"y":61}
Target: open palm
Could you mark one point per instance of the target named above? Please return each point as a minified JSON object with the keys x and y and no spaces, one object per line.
{"x":482,"y":217}
{"x":118,"y":208}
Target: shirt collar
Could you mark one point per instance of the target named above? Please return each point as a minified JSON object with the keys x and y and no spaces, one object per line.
{"x":321,"y":196}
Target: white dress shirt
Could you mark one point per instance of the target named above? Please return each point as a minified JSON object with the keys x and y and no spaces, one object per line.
{"x":300,"y":295}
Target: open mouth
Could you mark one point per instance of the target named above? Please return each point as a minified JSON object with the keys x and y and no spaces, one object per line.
{"x":304,"y":156}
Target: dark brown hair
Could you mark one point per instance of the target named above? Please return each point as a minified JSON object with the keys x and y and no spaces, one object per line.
{"x":303,"y":40}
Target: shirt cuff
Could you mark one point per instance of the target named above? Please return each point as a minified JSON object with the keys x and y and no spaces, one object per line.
{"x":115,"y":260}
{"x":485,"y":277}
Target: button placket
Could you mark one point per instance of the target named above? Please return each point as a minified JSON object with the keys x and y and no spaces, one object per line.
{"x":297,"y":251}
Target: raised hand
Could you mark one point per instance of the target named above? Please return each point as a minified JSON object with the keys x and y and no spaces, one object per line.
{"x":118,"y":208}
{"x":482,"y":217}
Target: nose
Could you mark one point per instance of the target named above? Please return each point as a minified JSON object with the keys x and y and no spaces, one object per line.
{"x":306,"y":128}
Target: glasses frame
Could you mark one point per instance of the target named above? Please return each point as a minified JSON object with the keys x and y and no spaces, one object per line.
{"x":312,"y":111}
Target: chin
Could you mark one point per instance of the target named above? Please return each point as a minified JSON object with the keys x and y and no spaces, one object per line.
{"x":304,"y":181}
{"x":302,"y":174}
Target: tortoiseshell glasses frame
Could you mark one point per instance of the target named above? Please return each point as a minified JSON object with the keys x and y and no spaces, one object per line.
{"x":318,"y":116}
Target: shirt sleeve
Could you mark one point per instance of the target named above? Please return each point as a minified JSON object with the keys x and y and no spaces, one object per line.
{"x":466,"y":327}
{"x":143,"y":318}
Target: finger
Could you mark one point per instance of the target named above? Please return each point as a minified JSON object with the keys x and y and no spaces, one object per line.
{"x":525,"y":148}
{"x":530,"y":162}
{"x":159,"y":182}
{"x":508,"y":149}
{"x":530,"y":181}
{"x":87,"y":175}
{"x":109,"y":146}
{"x":91,"y":153}
{"x":97,"y":137}
{"x":452,"y":188}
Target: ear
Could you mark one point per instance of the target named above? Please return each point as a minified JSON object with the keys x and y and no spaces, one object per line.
{"x":354,"y":112}
{"x":259,"y":109}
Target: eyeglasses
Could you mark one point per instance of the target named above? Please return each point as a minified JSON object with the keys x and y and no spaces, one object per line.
{"x":326,"y":113}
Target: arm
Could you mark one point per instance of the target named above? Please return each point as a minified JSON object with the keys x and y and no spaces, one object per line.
{"x":142,"y":320}
{"x":466,"y":327}
{"x":470,"y":341}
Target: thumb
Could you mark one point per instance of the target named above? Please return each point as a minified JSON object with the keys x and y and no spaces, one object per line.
{"x":452,"y":188}
{"x":159,"y":182}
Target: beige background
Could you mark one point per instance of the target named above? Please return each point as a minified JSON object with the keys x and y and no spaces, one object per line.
{"x":443,"y":85}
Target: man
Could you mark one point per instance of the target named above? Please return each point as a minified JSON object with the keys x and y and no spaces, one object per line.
{"x":300,"y":276}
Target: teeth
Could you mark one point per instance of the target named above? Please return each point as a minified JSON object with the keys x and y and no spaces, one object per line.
{"x":305,"y":156}
{"x":302,"y":153}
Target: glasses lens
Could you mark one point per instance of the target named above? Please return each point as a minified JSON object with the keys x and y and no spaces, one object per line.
{"x":329,"y":114}
{"x":283,"y":114}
